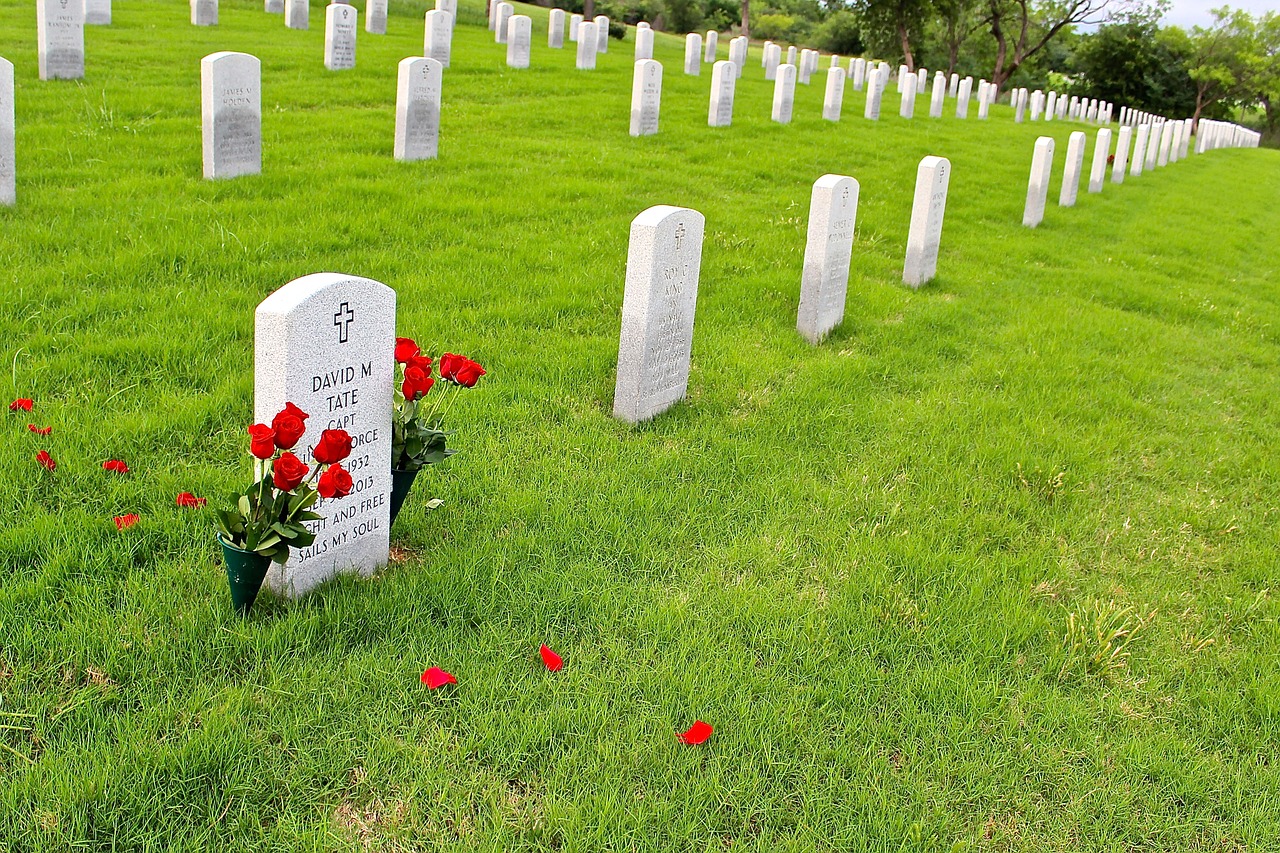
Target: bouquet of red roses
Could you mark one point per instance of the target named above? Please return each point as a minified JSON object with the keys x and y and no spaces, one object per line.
{"x":417,"y":423}
{"x":269,"y":517}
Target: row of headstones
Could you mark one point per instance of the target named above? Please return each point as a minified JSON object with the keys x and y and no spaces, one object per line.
{"x":1054,"y":105}
{"x":665,"y":255}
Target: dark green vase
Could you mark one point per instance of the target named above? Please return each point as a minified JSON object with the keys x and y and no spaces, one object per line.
{"x":401,"y":483}
{"x":245,"y":572}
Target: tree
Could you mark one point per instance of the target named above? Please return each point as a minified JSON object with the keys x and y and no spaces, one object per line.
{"x":890,"y":26}
{"x":746,"y":18}
{"x":957,"y":20}
{"x":1134,"y":62}
{"x":1021,"y":28}
{"x":1221,"y":59}
{"x":1266,"y":79}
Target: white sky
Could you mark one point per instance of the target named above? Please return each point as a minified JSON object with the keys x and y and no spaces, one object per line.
{"x":1189,"y":13}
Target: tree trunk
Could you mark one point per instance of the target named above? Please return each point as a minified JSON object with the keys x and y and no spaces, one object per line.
{"x":746,"y":18}
{"x":906,"y":46}
{"x":588,"y":10}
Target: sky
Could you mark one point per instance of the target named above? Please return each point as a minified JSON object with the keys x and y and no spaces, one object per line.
{"x":1190,"y":13}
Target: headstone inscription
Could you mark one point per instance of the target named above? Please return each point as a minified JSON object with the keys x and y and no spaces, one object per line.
{"x":8,"y":146}
{"x":231,"y":114}
{"x":646,"y":97}
{"x":1098,"y":168}
{"x":375,"y":17}
{"x":97,"y":12}
{"x":1038,"y":185}
{"x":927,"y":211}
{"x":693,"y":55}
{"x":833,"y":99}
{"x":325,"y":343}
{"x":519,"y":40}
{"x":340,"y":37}
{"x":586,"y":60}
{"x":784,"y":94}
{"x":555,"y":29}
{"x":833,"y":213}
{"x":60,"y":39}
{"x":437,"y":42}
{"x":724,"y":77}
{"x":1071,"y":169}
{"x":204,"y":13}
{"x":297,"y":14}
{"x":663,"y":263}
{"x":418,"y":82}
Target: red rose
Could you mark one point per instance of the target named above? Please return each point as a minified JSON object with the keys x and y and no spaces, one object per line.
{"x":291,"y":409}
{"x":406,"y":349}
{"x":422,"y":361}
{"x":288,"y":429}
{"x":460,"y":370}
{"x":115,"y":466}
{"x":288,"y":471}
{"x":262,"y":441}
{"x":335,"y":482}
{"x":46,"y":460}
{"x":186,"y":499}
{"x":22,"y":403}
{"x":416,"y":383}
{"x":123,"y":521}
{"x":334,"y":446}
{"x":448,"y":364}
{"x":40,"y":430}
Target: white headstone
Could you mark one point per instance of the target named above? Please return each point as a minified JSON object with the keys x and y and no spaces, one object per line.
{"x":450,"y":6}
{"x":273,"y":7}
{"x":927,"y":211}
{"x":602,"y":33}
{"x":1038,"y":185}
{"x":985,"y":94}
{"x":501,"y":17}
{"x":791,"y":55}
{"x":325,"y":342}
{"x":663,"y":263}
{"x":922,"y":80}
{"x":877,"y":80}
{"x":1186,"y":135}
{"x":858,"y":67}
{"x":1019,"y":104}
{"x":60,"y":39}
{"x":939,"y":95}
{"x":903,"y":73}
{"x":644,"y":44}
{"x":833,"y":100}
{"x":784,"y":94}
{"x":962,"y":98}
{"x":1153,"y":145}
{"x":709,"y":46}
{"x":375,"y":17}
{"x":954,"y":88}
{"x":8,"y":148}
{"x":1166,"y":140}
{"x":1098,"y":168}
{"x":418,"y":106}
{"x":340,"y":36}
{"x":519,"y":40}
{"x":693,"y":54}
{"x":231,"y":114}
{"x":97,"y":12}
{"x":1071,"y":169}
{"x":772,"y":58}
{"x":738,"y":53}
{"x":1122,"y":154}
{"x":1050,"y":106}
{"x":587,"y":46}
{"x":833,"y":213}
{"x":437,"y":41}
{"x":204,"y":13}
{"x":492,"y":13}
{"x":805,"y":68}
{"x":907,"y":106}
{"x":555,"y":29}
{"x":1139,"y":147}
{"x":297,"y":14}
{"x":724,"y":76}
{"x":575,"y":21}
{"x":646,"y":97}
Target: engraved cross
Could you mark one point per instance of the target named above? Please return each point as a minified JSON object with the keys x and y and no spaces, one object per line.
{"x":342,"y":320}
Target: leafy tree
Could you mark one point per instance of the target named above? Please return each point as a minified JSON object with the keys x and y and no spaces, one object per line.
{"x":956,"y":21}
{"x":1266,"y":76}
{"x":890,"y":26}
{"x":1022,"y":28}
{"x":1137,"y":64}
{"x":841,"y":33}
{"x":1222,"y":59}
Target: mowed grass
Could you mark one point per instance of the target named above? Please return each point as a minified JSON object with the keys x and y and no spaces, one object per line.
{"x":888,"y":569}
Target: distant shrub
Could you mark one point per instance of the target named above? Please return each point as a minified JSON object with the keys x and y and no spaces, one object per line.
{"x":773,"y":27}
{"x":840,"y":33}
{"x":719,"y":15}
{"x":683,"y":16}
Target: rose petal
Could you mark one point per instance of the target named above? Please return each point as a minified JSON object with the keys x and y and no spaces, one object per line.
{"x":552,"y":660}
{"x":116,"y":466}
{"x":21,"y":404}
{"x":46,"y":460}
{"x":40,"y":430}
{"x":697,"y":733}
{"x":123,"y":521}
{"x":437,"y":677}
{"x":186,"y":499}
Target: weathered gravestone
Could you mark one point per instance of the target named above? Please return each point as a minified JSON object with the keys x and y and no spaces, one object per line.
{"x":709,"y":46}
{"x":724,"y":76}
{"x":646,"y":97}
{"x":8,"y":147}
{"x":1038,"y":185}
{"x":60,"y":39}
{"x":375,"y":17}
{"x":500,"y":21}
{"x":833,"y":98}
{"x":644,"y":44}
{"x":555,"y":29}
{"x":586,"y":59}
{"x":693,"y":54}
{"x":437,"y":42}
{"x":204,"y":13}
{"x":97,"y":12}
{"x":1139,"y":145}
{"x":927,"y":211}
{"x":231,"y":114}
{"x":784,"y":94}
{"x":418,"y":106}
{"x":602,"y":33}
{"x":833,"y":213}
{"x":519,"y":40}
{"x":340,"y":37}
{"x":273,"y":7}
{"x":663,"y":263}
{"x":297,"y":14}
{"x":1098,"y":168}
{"x":1071,"y":169}
{"x":575,"y":22}
{"x":325,"y":343}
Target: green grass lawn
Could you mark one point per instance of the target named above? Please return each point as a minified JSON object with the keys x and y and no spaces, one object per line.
{"x":882,"y":568}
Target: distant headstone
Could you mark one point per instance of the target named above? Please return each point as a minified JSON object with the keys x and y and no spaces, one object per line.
{"x":877,"y":80}
{"x":324,"y":342}
{"x":60,"y":39}
{"x":418,"y":106}
{"x":1122,"y":154}
{"x":1139,"y":147}
{"x":1153,"y":145}
{"x":663,"y":263}
{"x":1166,"y":140}
{"x":8,"y":147}
{"x":450,"y":6}
{"x":297,"y":14}
{"x":501,"y":17}
{"x":1050,"y":105}
{"x":903,"y":73}
{"x":340,"y":36}
{"x":724,"y":76}
{"x":954,"y":88}
{"x":985,"y":95}
{"x":204,"y":13}
{"x":1038,"y":185}
{"x":602,"y":33}
{"x":693,"y":54}
{"x":805,"y":68}
{"x":97,"y":12}
{"x":231,"y":114}
{"x":519,"y":40}
{"x":587,"y":46}
{"x":922,"y":80}
{"x":575,"y":21}
{"x":492,"y":14}
{"x":437,"y":42}
{"x":833,"y":213}
{"x":963,"y":96}
{"x":1071,"y":169}
{"x":273,"y":7}
{"x":784,"y":94}
{"x":907,"y":106}
{"x":1098,"y":168}
{"x":646,"y":97}
{"x":772,"y":59}
{"x":555,"y":29}
{"x":927,"y":211}
{"x":791,"y":55}
{"x":644,"y":44}
{"x":709,"y":46}
{"x":738,"y":53}
{"x":1019,"y":104}
{"x":375,"y":17}
{"x":858,"y":68}
{"x":939,"y":95}
{"x":833,"y":100}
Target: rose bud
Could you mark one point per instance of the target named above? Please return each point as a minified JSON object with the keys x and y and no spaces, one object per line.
{"x":468,"y":374}
{"x":416,"y":383}
{"x":288,"y":471}
{"x":335,"y":482}
{"x":334,"y":446}
{"x":262,"y":441}
{"x":288,"y":429}
{"x":406,"y":349}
